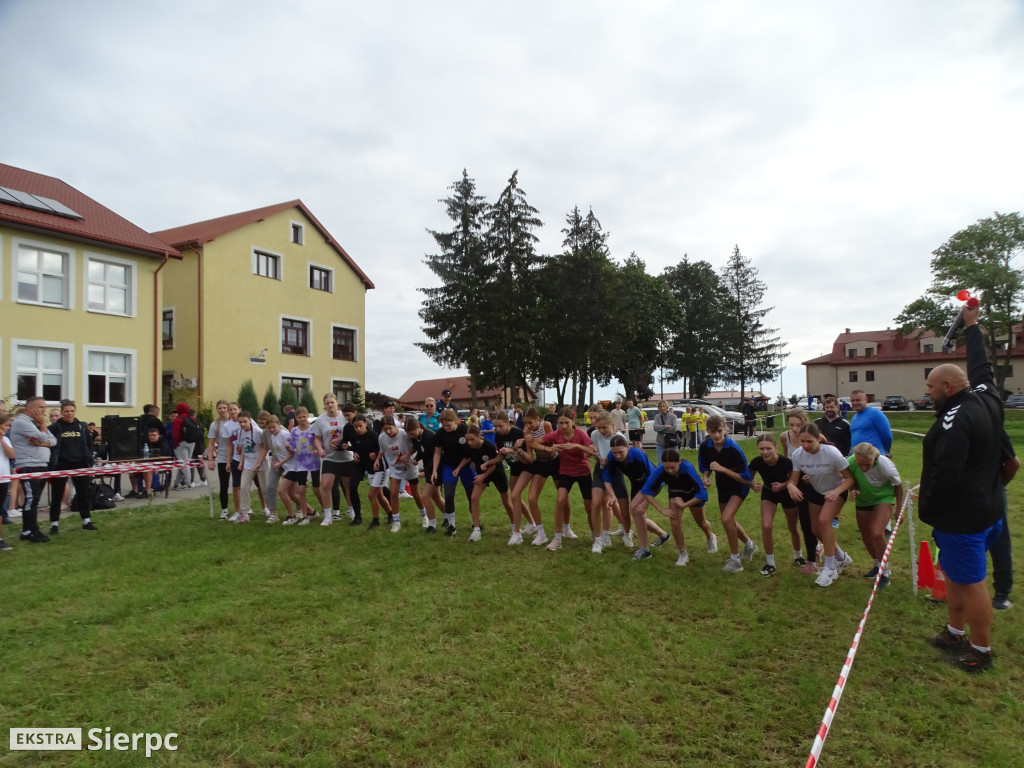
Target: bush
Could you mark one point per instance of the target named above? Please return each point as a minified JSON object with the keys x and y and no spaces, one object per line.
{"x":247,"y":398}
{"x":288,"y":397}
{"x":309,"y":403}
{"x":270,"y":402}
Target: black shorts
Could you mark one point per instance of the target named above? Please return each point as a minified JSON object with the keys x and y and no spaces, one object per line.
{"x":566,"y":481}
{"x":300,"y":477}
{"x":636,"y":435}
{"x":236,"y":474}
{"x":782,"y":497}
{"x":677,"y":494}
{"x":619,"y":487}
{"x":811,"y":496}
{"x":498,"y":479}
{"x":545,"y":467}
{"x":337,"y":468}
{"x":516,"y":469}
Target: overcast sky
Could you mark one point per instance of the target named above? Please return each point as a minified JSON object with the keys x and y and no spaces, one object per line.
{"x":837,"y":144}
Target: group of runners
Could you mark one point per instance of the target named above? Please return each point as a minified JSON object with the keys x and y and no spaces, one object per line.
{"x":424,"y":461}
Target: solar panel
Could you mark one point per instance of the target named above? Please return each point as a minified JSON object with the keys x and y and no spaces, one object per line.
{"x":36,"y":203}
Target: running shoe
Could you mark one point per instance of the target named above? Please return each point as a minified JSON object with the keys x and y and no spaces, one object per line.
{"x":375,"y":523}
{"x":291,"y":521}
{"x":516,"y":539}
{"x":974,"y":661}
{"x":567,"y":533}
{"x":303,"y":521}
{"x":799,"y":562}
{"x":450,"y":530}
{"x":749,"y":550}
{"x":555,"y":545}
{"x":835,"y":522}
{"x":659,"y":540}
{"x":642,"y":554}
{"x":396,"y":526}
{"x":617,"y":532}
{"x":529,"y":528}
{"x":328,"y":519}
{"x":430,"y":529}
{"x":713,"y":544}
{"x":272,"y":519}
{"x":1001,"y":603}
{"x":627,"y":540}
{"x":475,"y":535}
{"x":826,"y":577}
{"x":5,"y":547}
{"x":223,"y":513}
{"x":684,"y":558}
{"x":606,"y":540}
{"x":596,"y":547}
{"x":242,"y":518}
{"x":884,"y":581}
{"x":768,"y":570}
{"x":732,"y":566}
{"x":842,"y":565}
{"x":424,"y":521}
{"x":872,"y":573}
{"x":540,"y":539}
{"x":947,"y":641}
{"x":809,"y":569}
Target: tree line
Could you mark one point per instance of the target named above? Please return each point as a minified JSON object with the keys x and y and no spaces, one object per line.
{"x":511,"y":316}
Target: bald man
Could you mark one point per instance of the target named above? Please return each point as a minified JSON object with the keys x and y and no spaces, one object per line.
{"x":961,"y":495}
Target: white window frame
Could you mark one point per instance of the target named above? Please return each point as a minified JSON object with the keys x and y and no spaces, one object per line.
{"x":281,"y":376}
{"x":131,"y":374}
{"x":70,"y":256}
{"x":329,"y":270}
{"x":69,"y":366}
{"x":131,"y":303}
{"x":334,"y":379}
{"x":355,"y":342}
{"x":309,"y":334}
{"x":267,"y":252}
{"x":302,"y":232}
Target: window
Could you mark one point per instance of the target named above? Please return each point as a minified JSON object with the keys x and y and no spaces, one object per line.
{"x":266,"y":265}
{"x":107,"y":375}
{"x":297,"y":233}
{"x":42,"y":372}
{"x":869,"y":375}
{"x":851,"y":353}
{"x":869,"y":352}
{"x":109,"y":287}
{"x":300,"y":383}
{"x":294,"y":337}
{"x":168,"y":329}
{"x":1006,"y":370}
{"x":343,"y":344}
{"x":343,"y":390}
{"x":853,"y":376}
{"x":927,"y":372}
{"x":320,"y":279}
{"x":929,"y":349}
{"x":42,"y":276}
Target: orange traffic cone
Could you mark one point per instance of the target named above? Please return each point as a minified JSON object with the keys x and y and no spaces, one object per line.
{"x":939,"y":587}
{"x":925,"y":570}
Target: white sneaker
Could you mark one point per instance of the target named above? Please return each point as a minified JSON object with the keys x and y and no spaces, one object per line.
{"x":272,"y":519}
{"x":396,"y":526}
{"x":845,"y":563}
{"x":223,"y":514}
{"x":517,"y":539}
{"x":290,"y":521}
{"x":266,"y":512}
{"x":826,"y":576}
{"x":424,"y":521}
{"x":303,"y":521}
{"x":749,"y":550}
{"x":732,"y":566}
{"x":596,"y":547}
{"x":617,"y":532}
{"x":529,"y":528}
{"x":627,"y":540}
{"x":540,"y":539}
{"x":568,"y":534}
{"x":242,"y":518}
{"x":606,"y":540}
{"x":684,"y":559}
{"x":234,"y":517}
{"x":336,"y":515}
{"x":475,"y":535}
{"x":118,"y":497}
{"x":555,"y":545}
{"x":328,"y":519}
{"x":404,"y":495}
{"x":713,"y":544}
{"x":351,"y":513}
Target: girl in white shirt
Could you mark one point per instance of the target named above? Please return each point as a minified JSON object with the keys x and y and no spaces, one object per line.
{"x":252,"y":456}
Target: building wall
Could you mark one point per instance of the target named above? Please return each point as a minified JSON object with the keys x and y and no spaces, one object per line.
{"x":242,"y":312}
{"x":73,"y":331}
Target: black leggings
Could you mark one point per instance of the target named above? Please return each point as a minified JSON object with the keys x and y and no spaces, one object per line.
{"x":353,"y":490}
{"x":224,"y":477}
{"x":449,"y":495}
{"x":810,"y":540}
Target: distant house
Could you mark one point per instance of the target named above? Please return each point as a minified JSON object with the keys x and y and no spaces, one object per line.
{"x":461,"y":395}
{"x":886,"y":363}
{"x":80,"y":309}
{"x":267,"y":295}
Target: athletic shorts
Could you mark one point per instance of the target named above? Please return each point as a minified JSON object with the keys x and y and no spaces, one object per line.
{"x":545,"y":467}
{"x":586,"y":488}
{"x":782,"y":497}
{"x":678,"y":494}
{"x":236,"y":474}
{"x":962,"y":555}
{"x":619,"y":488}
{"x":727,"y":490}
{"x":498,"y":479}
{"x":636,"y":435}
{"x":379,"y":479}
{"x":874,"y":507}
{"x":517,"y":468}
{"x":300,"y":477}
{"x":336,"y":468}
{"x":466,"y":476}
{"x":409,"y":472}
{"x":811,"y":496}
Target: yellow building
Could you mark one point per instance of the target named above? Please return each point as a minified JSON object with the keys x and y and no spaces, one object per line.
{"x":267,"y":295}
{"x":80,"y":299}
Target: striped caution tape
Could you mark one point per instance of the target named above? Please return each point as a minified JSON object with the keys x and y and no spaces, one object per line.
{"x":103,"y":469}
{"x":844,"y":674}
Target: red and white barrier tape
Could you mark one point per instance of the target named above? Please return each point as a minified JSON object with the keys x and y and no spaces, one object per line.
{"x":844,"y":674}
{"x":103,"y":469}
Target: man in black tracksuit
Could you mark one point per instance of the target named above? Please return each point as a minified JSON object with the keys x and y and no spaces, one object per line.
{"x":73,"y":451}
{"x":961,"y":494}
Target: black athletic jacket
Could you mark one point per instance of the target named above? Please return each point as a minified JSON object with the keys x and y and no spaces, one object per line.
{"x":961,"y":490}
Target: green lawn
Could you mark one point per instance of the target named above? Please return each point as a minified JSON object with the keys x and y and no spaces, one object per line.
{"x":263,"y":645}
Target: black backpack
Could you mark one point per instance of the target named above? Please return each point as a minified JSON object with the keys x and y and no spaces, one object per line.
{"x":102,"y":496}
{"x":191,"y":432}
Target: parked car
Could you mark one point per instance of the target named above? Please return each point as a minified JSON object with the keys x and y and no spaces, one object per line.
{"x":1015,"y":401}
{"x":897,"y":403}
{"x":925,"y":403}
{"x":733,"y":424}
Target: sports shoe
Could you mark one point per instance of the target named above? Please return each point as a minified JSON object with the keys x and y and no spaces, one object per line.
{"x":396,"y":526}
{"x":540,"y":539}
{"x":475,"y":535}
{"x":357,"y":520}
{"x":35,"y":537}
{"x":1001,"y":603}
{"x":799,"y":562}
{"x":135,"y":495}
{"x":555,"y":545}
{"x":242,"y":518}
{"x":404,"y":495}
{"x":89,"y":527}
{"x":450,"y":530}
{"x":606,"y":540}
{"x":659,"y":540}
{"x":826,"y":576}
{"x":842,"y":565}
{"x":768,"y":570}
{"x":430,"y":529}
{"x":627,"y":540}
{"x":947,"y":641}
{"x":336,"y":515}
{"x":872,"y":573}
{"x":350,"y":513}
{"x":234,"y":517}
{"x":684,"y":558}
{"x":596,"y":547}
{"x":118,"y":497}
{"x":713,"y":544}
{"x":54,"y":530}
{"x":884,"y":581}
{"x":303,"y":521}
{"x":516,"y":539}
{"x":5,"y":547}
{"x":375,"y":523}
{"x":328,"y":520}
{"x":974,"y":661}
{"x":290,"y":520}
{"x":529,"y":528}
{"x":809,"y":569}
{"x":749,"y":550}
{"x":272,"y":519}
{"x":732,"y":566}
{"x":223,"y":514}
{"x":617,"y":532}
{"x":567,"y":533}
{"x":424,"y":521}
{"x":835,"y":522}
{"x":641,"y":554}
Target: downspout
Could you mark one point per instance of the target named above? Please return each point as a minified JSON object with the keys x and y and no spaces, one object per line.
{"x":199,"y":319}
{"x":157,"y":328}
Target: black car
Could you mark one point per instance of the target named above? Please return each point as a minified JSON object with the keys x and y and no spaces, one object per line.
{"x":1015,"y":401}
{"x":895,"y":403}
{"x":925,"y":403}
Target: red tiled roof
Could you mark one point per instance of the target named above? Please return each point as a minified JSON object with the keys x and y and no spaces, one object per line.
{"x":894,"y":347}
{"x":205,"y":231}
{"x":98,"y":224}
{"x":459,"y":385}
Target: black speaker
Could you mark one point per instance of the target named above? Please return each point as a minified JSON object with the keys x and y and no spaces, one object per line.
{"x":121,"y":436}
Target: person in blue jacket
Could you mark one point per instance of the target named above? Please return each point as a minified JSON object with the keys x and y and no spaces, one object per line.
{"x":869,"y":425}
{"x":625,"y":462}
{"x":721,"y":455}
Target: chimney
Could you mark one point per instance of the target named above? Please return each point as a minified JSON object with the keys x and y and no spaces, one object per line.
{"x":847,"y":330}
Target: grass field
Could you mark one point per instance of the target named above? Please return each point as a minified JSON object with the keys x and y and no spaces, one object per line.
{"x":265,"y":646}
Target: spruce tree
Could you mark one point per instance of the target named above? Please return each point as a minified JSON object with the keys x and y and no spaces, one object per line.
{"x":288,"y":397}
{"x":309,"y":403}
{"x":247,"y":399}
{"x":270,"y":402}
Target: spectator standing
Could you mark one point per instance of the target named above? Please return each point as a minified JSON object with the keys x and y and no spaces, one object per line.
{"x":869,"y":425}
{"x":32,"y":441}
{"x":835,"y":430}
{"x":73,"y":450}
